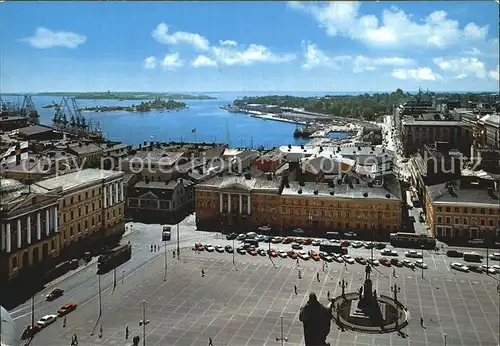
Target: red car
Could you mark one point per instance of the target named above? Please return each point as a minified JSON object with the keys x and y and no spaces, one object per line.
{"x":30,"y":331}
{"x":385,"y":262}
{"x":272,"y":253}
{"x":66,"y":309}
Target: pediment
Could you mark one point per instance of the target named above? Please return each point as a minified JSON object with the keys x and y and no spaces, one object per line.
{"x":236,"y":186}
{"x":149,"y":195}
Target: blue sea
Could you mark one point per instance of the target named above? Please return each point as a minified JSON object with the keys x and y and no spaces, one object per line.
{"x":211,"y":123}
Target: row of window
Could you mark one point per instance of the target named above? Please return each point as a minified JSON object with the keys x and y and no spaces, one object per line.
{"x":150,"y":204}
{"x":78,"y":198}
{"x":87,"y":209}
{"x":93,"y":222}
{"x":467,"y":210}
{"x":341,"y":214}
{"x":465,"y":221}
{"x":457,"y":232}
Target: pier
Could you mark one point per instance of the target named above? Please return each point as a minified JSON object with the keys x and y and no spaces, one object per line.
{"x":349,"y":128}
{"x":264,"y":116}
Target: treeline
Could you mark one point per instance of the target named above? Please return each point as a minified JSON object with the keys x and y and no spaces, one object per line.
{"x":365,"y":106}
{"x":158,"y":103}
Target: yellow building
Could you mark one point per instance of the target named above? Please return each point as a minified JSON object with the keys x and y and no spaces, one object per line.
{"x":464,"y":215}
{"x":28,"y":228}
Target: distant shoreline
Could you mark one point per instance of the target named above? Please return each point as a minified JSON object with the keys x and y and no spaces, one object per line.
{"x":123,"y":95}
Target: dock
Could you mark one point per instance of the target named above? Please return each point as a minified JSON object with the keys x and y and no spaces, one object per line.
{"x":349,"y":128}
{"x":268,"y":116}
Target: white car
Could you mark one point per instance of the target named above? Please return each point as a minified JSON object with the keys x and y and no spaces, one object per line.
{"x":495,"y":256}
{"x":413,"y":254}
{"x":407,"y":263}
{"x":489,"y":270}
{"x":46,"y":320}
{"x":389,"y":252}
{"x":421,"y":264}
{"x":496,"y":267}
{"x":356,"y":244}
{"x":219,"y":248}
{"x":348,"y":259}
{"x":460,"y":267}
{"x":276,"y":240}
{"x":282,"y":253}
{"x":303,"y":255}
{"x":241,"y":236}
{"x":373,"y":262}
{"x":209,"y":248}
{"x":338,"y":258}
{"x":316,"y":242}
{"x":259,"y":237}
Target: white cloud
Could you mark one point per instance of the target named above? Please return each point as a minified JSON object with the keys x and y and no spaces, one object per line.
{"x":362,"y":63}
{"x":202,"y":60}
{"x":231,"y":55}
{"x":461,"y":66}
{"x":45,"y":38}
{"x":424,"y":73}
{"x":228,"y":43}
{"x":162,"y":35}
{"x":171,"y":62}
{"x":315,"y":57}
{"x":149,"y":63}
{"x":394,"y":29}
{"x":495,"y":74}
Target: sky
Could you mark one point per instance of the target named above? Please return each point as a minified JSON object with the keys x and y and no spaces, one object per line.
{"x":249,"y":46}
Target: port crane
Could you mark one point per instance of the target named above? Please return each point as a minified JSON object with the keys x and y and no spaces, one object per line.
{"x":69,"y":118}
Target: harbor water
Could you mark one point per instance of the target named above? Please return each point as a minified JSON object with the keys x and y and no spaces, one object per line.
{"x":202,"y":121}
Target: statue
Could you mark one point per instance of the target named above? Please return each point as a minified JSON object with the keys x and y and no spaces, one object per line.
{"x":368,"y":271}
{"x":316,"y":320}
{"x":360,"y":292}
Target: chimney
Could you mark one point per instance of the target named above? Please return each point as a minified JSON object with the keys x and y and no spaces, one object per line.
{"x":145,"y":143}
{"x":18,"y":154}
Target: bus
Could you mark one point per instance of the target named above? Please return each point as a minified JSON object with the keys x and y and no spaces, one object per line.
{"x":412,"y":240}
{"x":166,"y":233}
{"x":113,"y":258}
{"x":472,"y":257}
{"x":332,"y":248}
{"x":332,"y":235}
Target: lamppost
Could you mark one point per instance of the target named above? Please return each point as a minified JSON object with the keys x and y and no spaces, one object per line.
{"x":395,"y":289}
{"x":178,"y":244}
{"x":343,"y":285}
{"x":143,"y":323}
{"x":445,"y":335}
{"x":165,"y":272}
{"x":123,"y":275}
{"x":234,"y":250}
{"x":281,"y":338}
{"x":422,"y":261}
{"x":99,"y":289}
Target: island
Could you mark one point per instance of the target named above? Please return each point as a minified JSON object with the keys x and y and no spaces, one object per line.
{"x":109,"y":95}
{"x":157,"y":104}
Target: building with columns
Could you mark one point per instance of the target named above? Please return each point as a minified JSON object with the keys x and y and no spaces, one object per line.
{"x":91,"y":207}
{"x":237,"y":202}
{"x":57,"y":219}
{"x":29,"y":228}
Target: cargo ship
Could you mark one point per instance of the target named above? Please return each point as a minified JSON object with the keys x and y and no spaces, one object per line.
{"x":231,"y":108}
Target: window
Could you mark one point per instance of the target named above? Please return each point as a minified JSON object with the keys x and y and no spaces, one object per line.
{"x":71,"y":200}
{"x":492,"y":223}
{"x":482,"y":222}
{"x":14,"y":262}
{"x":64,"y":203}
{"x":440,"y":219}
{"x":71,"y":231}
{"x":87,"y":209}
{"x":448,"y":209}
{"x":457,"y":210}
{"x":99,"y":218}
{"x":64,"y":217}
{"x":457,"y":220}
{"x":448,"y":221}
{"x":72,"y":215}
{"x":78,"y":228}
{"x":465,"y":221}
{"x":93,"y":192}
{"x":52,"y":245}
{"x":86,"y":195}
{"x":86,"y":224}
{"x":79,"y":197}
{"x":79,"y":211}
{"x":473,"y":210}
{"x":93,"y":223}
{"x":93,"y":206}
{"x":439,"y":209}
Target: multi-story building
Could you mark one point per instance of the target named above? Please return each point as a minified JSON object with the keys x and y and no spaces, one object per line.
{"x":469,"y":214}
{"x":91,"y":207}
{"x":29,"y":229}
{"x":270,"y":161}
{"x":237,"y":203}
{"x":417,"y":133}
{"x":243,"y":203}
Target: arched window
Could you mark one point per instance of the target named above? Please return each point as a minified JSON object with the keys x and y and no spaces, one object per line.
{"x":14,"y":262}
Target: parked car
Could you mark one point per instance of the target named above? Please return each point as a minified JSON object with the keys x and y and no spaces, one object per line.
{"x":54,"y":294}
{"x":308,"y":241}
{"x":46,"y":320}
{"x":373,"y":262}
{"x":338,"y":258}
{"x":345,"y":243}
{"x":460,"y":267}
{"x":421,"y":264}
{"x":348,"y":259}
{"x":241,"y":236}
{"x":288,"y":240}
{"x":356,"y":244}
{"x":229,"y":249}
{"x":66,"y":309}
{"x":231,"y":236}
{"x":276,"y":240}
{"x":292,"y":254}
{"x":325,"y":256}
{"x":299,"y":241}
{"x":259,"y":237}
{"x":413,"y":254}
{"x":316,"y":242}
{"x":282,"y":253}
{"x":388,"y":252}
{"x":407,"y":263}
{"x":209,"y":247}
{"x":385,"y":262}
{"x":296,"y":246}
{"x":495,"y":256}
{"x":199,"y":247}
{"x":361,"y":260}
{"x":380,"y":246}
{"x":262,"y":252}
{"x":30,"y":331}
{"x":476,"y":268}
{"x":272,"y":253}
{"x":266,"y":239}
{"x":454,"y":254}
{"x":219,"y":248}
{"x":241,"y":250}
{"x":489,"y":269}
{"x":252,"y":251}
{"x":396,"y":262}
{"x":314,"y":255}
{"x":369,"y":245}
{"x":303,"y":255}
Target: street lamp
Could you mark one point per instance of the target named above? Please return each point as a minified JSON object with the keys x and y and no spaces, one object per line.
{"x":422,"y":262}
{"x":281,"y":338}
{"x":143,"y":323}
{"x":165,"y":272}
{"x":178,"y":244}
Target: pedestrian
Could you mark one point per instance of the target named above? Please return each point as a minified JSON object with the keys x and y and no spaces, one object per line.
{"x":151,"y":247}
{"x":173,"y":254}
{"x":345,"y":265}
{"x":72,"y":341}
{"x":295,"y":289}
{"x":76,"y":339}
{"x":394,"y":272}
{"x":328,"y":295}
{"x":297,"y":261}
{"x":210,"y":342}
{"x":202,"y":273}
{"x":422,"y":322}
{"x":317,"y":276}
{"x":64,"y":322}
{"x":126,"y":333}
{"x":300,"y":274}
{"x":100,"y":331}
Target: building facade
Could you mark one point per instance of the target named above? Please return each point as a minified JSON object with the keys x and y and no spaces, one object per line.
{"x":29,"y":229}
{"x":465,"y":215}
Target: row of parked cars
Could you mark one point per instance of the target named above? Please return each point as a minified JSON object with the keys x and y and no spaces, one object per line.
{"x":477,"y":268}
{"x":47,"y":320}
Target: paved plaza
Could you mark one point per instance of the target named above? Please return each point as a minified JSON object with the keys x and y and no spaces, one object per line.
{"x":243,"y":305}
